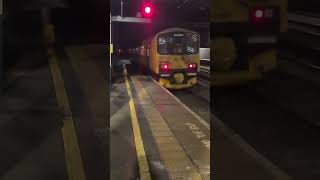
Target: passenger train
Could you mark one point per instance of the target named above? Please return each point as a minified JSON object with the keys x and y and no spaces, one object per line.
{"x":171,"y":57}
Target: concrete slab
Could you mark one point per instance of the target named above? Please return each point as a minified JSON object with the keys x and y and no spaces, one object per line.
{"x":30,"y":127}
{"x":173,"y":155}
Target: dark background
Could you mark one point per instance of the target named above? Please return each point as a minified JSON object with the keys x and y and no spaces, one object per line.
{"x":174,"y":13}
{"x":308,"y":5}
{"x":87,"y":20}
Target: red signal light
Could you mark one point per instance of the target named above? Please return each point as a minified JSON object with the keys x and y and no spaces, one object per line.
{"x":147,"y":9}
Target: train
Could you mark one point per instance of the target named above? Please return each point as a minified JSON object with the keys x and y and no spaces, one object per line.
{"x":243,"y":39}
{"x":171,"y":57}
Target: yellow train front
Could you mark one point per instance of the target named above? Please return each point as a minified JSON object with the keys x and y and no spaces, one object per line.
{"x":244,"y":39}
{"x":172,"y":57}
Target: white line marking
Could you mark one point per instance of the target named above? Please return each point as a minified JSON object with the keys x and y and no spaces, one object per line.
{"x":199,"y":134}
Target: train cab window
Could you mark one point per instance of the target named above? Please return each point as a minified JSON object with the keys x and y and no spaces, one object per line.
{"x":193,"y":44}
{"x":178,"y":43}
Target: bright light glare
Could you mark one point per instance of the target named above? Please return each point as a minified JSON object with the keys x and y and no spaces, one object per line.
{"x":164,"y":66}
{"x":191,"y":65}
{"x":259,"y":13}
{"x":147,"y":9}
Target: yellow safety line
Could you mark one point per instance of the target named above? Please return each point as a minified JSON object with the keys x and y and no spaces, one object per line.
{"x":141,"y":155}
{"x":72,"y":151}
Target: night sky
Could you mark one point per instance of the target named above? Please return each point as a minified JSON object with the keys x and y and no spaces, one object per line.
{"x":88,"y":19}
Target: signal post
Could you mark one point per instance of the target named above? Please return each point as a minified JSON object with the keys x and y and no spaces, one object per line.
{"x":144,"y":16}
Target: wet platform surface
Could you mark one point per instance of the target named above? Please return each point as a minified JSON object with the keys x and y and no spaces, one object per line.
{"x":54,"y":116}
{"x":43,"y":138}
{"x":159,"y":110}
{"x":176,"y":143}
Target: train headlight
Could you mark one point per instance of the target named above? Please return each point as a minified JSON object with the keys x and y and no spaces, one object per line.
{"x":259,"y":13}
{"x":192,"y":67}
{"x":164,"y":70}
{"x":262,"y":14}
{"x":164,"y":67}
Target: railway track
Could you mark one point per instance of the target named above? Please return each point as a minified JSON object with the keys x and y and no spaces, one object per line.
{"x":305,"y":22}
{"x":278,"y":118}
{"x":300,"y":48}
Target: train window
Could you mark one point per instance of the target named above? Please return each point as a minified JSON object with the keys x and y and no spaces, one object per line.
{"x":178,"y":43}
{"x":178,"y":35}
{"x":193,"y":43}
{"x":162,"y":40}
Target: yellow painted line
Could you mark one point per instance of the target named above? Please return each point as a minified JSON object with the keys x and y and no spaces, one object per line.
{"x":72,"y":151}
{"x":141,"y":155}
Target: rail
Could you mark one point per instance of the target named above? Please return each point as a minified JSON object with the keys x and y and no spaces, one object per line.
{"x":300,"y":61}
{"x":304,"y":50}
{"x":304,"y":22}
{"x":304,"y":19}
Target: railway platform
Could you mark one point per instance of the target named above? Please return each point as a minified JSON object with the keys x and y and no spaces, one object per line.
{"x":55,"y":124}
{"x":175,"y":141}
